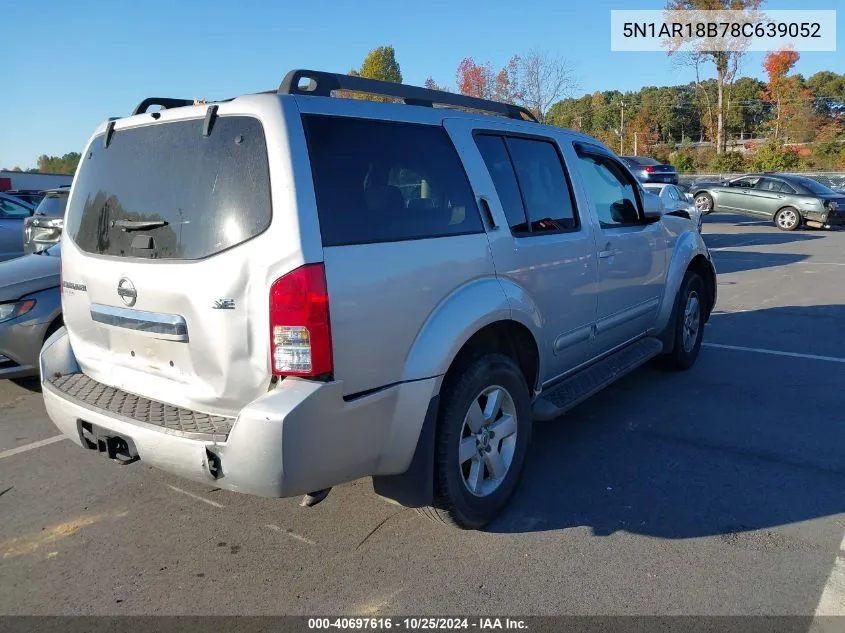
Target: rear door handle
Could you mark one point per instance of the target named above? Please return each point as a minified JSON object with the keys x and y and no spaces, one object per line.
{"x":608,"y":253}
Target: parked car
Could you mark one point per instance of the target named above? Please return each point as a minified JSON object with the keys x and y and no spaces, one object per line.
{"x":44,"y":227}
{"x":676,"y":202}
{"x":285,"y":291}
{"x":13,"y":212}
{"x":31,"y":196}
{"x":787,"y":200}
{"x":650,"y":170}
{"x":30,"y":310}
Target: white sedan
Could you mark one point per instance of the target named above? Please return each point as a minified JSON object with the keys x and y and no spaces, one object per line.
{"x":675,"y":200}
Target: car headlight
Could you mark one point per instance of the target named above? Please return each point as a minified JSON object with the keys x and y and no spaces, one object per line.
{"x":15,"y":309}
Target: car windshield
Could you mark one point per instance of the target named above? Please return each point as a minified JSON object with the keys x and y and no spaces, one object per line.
{"x":653,"y":189}
{"x":812,"y":185}
{"x":53,"y":205}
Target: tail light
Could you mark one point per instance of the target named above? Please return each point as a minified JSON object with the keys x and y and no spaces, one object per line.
{"x":649,"y":169}
{"x":300,"y":338}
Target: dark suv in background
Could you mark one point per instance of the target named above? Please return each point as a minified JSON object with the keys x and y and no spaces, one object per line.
{"x":650,"y":170}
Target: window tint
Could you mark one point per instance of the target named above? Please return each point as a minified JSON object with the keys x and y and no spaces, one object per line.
{"x":610,"y":190}
{"x":546,"y":193}
{"x":379,"y":181}
{"x":498,"y":162}
{"x":198,"y":194}
{"x":11,"y":209}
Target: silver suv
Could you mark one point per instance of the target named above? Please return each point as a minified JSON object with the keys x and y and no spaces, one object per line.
{"x":285,"y":291}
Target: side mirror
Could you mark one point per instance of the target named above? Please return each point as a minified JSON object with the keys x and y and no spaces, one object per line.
{"x":653,"y":207}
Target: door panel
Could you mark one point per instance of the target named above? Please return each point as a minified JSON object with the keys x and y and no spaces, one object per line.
{"x":537,"y":243}
{"x":632,"y":254}
{"x":766,"y":198}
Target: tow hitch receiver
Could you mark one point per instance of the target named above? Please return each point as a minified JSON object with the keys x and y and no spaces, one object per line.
{"x":119,"y":448}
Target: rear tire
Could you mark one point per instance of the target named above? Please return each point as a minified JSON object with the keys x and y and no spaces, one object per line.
{"x":690,"y":313}
{"x":483,"y":433}
{"x":787,"y":219}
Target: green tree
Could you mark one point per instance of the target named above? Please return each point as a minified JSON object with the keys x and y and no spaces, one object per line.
{"x":773,"y":156}
{"x":728,"y":162}
{"x":58,"y":164}
{"x":380,"y":63}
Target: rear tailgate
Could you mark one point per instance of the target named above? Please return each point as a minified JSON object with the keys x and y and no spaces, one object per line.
{"x":173,"y":239}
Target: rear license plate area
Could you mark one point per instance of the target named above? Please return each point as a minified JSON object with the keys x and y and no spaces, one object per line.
{"x":118,"y":447}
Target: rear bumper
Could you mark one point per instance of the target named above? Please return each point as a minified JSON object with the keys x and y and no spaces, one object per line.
{"x":300,"y":437}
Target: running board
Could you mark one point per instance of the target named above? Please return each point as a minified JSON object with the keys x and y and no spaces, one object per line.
{"x":557,"y":400}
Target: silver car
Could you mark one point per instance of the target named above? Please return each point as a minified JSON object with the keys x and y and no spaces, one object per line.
{"x":30,"y":310}
{"x":676,"y":201}
{"x":281,"y":292}
{"x":13,"y":212}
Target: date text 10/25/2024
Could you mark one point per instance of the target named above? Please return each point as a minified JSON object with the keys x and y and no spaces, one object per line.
{"x":418,"y":624}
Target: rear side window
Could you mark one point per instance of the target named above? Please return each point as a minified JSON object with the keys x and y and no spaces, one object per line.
{"x":380,"y":181}
{"x":530,"y":181}
{"x":165,"y":191}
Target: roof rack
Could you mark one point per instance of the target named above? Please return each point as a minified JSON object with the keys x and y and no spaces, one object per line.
{"x":322,"y":84}
{"x":164,"y":102}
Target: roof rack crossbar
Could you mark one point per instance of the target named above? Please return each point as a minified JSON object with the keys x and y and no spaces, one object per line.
{"x":322,"y":84}
{"x":164,"y":102}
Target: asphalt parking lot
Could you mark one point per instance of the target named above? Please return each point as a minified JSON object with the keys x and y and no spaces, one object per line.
{"x":717,"y":491}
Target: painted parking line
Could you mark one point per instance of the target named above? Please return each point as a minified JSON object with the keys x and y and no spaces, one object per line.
{"x":293,"y":535}
{"x":32,"y":446}
{"x":197,"y":497}
{"x":775,"y":352}
{"x":832,"y":601}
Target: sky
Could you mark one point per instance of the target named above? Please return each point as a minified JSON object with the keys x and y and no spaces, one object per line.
{"x":68,"y":65}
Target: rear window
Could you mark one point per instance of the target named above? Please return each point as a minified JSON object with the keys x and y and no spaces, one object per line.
{"x":52,"y":205}
{"x":642,"y":160}
{"x":166,"y":191}
{"x":379,"y":181}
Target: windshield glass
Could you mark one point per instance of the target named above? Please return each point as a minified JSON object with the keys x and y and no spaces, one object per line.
{"x":53,"y":205}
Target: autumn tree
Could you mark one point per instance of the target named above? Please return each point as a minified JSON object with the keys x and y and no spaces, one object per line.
{"x":777,"y":65}
{"x":475,"y":80}
{"x":725,"y":62}
{"x":535,"y":81}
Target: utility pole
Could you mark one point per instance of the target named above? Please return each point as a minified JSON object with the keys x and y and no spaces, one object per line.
{"x":635,"y":143}
{"x":622,"y":130}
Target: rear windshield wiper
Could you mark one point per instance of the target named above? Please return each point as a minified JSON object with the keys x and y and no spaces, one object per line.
{"x":139,"y":225}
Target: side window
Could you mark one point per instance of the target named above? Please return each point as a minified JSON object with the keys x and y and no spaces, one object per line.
{"x":9,"y":209}
{"x":745,"y":183}
{"x":766,"y":184}
{"x":379,"y":181}
{"x":531,"y":183}
{"x":498,"y":161}
{"x":610,"y":190}
{"x":546,"y":191}
{"x":673,"y":193}
{"x":785,"y":187}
